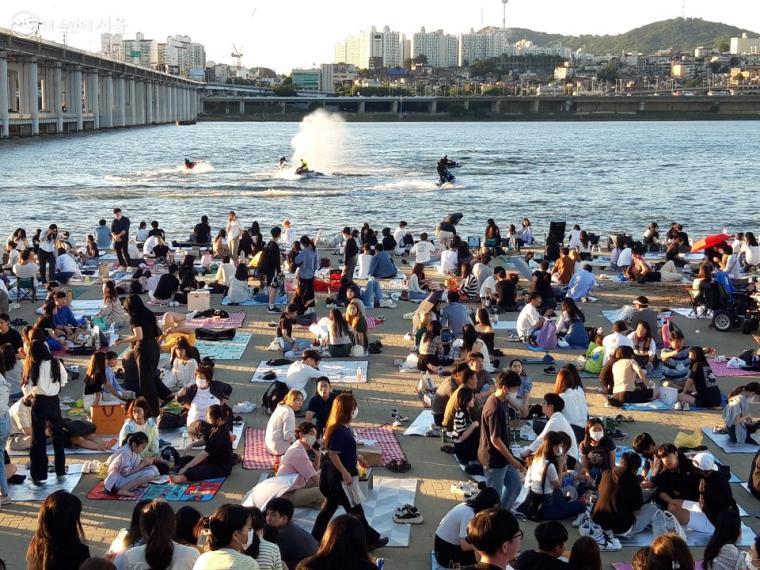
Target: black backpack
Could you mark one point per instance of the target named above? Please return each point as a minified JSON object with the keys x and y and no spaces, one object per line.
{"x":215,"y":334}
{"x":274,"y":395}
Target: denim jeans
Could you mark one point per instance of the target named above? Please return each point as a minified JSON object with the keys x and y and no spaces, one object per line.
{"x":5,"y":430}
{"x":371,"y":293}
{"x":506,"y":481}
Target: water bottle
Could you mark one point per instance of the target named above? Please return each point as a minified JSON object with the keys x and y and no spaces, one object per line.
{"x":665,"y":332}
{"x":359,"y":375}
{"x":183,"y":437}
{"x":535,"y":421}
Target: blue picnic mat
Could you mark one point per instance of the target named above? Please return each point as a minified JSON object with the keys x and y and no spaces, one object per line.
{"x":224,"y":349}
{"x":258,"y":300}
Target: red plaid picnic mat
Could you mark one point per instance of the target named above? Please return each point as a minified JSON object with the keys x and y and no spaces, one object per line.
{"x":256,"y":455}
{"x":374,"y":322}
{"x":235,"y":320}
{"x":386,"y":439}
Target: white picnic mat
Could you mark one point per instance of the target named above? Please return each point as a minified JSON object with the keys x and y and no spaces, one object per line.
{"x":340,"y":371}
{"x":388,"y":493}
{"x":722,"y":441}
{"x":28,"y":491}
{"x":421,"y":424}
{"x":505,"y":326}
{"x":69,"y":450}
{"x":693,"y":538}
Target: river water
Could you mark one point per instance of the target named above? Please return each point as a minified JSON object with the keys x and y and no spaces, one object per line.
{"x":604,"y":176}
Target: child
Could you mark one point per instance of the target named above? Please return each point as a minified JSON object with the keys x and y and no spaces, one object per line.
{"x":467,"y":432}
{"x":126,"y":471}
{"x":97,"y":389}
{"x":594,"y":355}
{"x":112,"y":359}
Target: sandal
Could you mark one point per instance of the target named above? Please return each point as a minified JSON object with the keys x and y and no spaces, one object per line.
{"x":621,"y":419}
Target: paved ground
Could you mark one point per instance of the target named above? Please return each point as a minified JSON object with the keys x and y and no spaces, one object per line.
{"x":385,"y":390}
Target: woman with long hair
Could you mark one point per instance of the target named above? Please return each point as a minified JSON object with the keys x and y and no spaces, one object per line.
{"x":186,"y":528}
{"x":229,"y":531}
{"x":471,"y":342}
{"x":644,"y":346}
{"x":629,"y":381}
{"x":217,"y":458}
{"x":418,"y":284}
{"x":266,"y":553}
{"x":112,"y":311}
{"x":358,"y":323}
{"x":585,"y":554}
{"x":344,"y":545}
{"x":569,"y":386}
{"x":220,"y":247}
{"x":339,"y":341}
{"x":468,"y":283}
{"x":281,"y":428}
{"x":238,"y":290}
{"x":159,"y":551}
{"x":58,"y":541}
{"x":138,"y":419}
{"x":721,"y":551}
{"x":736,"y":416}
{"x":750,"y":251}
{"x":597,"y":451}
{"x":571,"y":324}
{"x":184,"y":362}
{"x":584,"y":246}
{"x":701,"y":387}
{"x":43,"y":379}
{"x":97,"y":389}
{"x":144,"y":341}
{"x":430,"y":353}
{"x":467,"y":431}
{"x":339,"y":468}
{"x":12,"y":367}
{"x":451,"y":544}
{"x":520,"y":402}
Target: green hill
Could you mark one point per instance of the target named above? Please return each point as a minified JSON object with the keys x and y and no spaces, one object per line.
{"x":678,"y":34}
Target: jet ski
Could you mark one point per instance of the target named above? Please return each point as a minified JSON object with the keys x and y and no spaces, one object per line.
{"x":307,"y":174}
{"x":189,"y":164}
{"x":446,"y":178}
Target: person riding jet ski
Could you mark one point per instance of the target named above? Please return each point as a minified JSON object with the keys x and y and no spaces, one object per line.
{"x":189,"y":164}
{"x":303,"y":169}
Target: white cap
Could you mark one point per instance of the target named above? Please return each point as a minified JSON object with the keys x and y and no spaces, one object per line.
{"x":704,"y":461}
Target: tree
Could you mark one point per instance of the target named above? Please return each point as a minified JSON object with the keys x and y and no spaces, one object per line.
{"x":285,"y":89}
{"x":715,"y":66}
{"x":607,"y":73}
{"x":421,"y":59}
{"x":724,"y":46}
{"x":408,"y":63}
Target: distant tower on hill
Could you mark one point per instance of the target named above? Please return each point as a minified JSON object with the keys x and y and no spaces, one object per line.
{"x":504,"y":14}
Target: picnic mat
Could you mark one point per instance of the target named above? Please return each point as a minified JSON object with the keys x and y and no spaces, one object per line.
{"x":693,"y":538}
{"x":721,"y":440}
{"x":69,"y":450}
{"x":621,"y":314}
{"x":199,"y":491}
{"x":534,"y":348}
{"x":658,"y":406}
{"x":28,"y":491}
{"x":388,"y":493}
{"x":338,"y":371}
{"x":234,"y":321}
{"x":421,"y":424}
{"x":174,"y":436}
{"x":253,"y":302}
{"x":721,"y":370}
{"x":224,"y":349}
{"x":505,"y":326}
{"x":373,"y":322}
{"x":688,"y":312}
{"x":256,"y":455}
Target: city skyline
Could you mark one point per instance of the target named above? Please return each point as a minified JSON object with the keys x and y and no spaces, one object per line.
{"x":290,"y":34}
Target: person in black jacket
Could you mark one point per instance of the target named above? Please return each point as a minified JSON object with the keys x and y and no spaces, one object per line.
{"x":676,"y":480}
{"x":551,"y":537}
{"x":715,"y":497}
{"x":217,"y":457}
{"x":496,"y":535}
{"x":270,"y":268}
{"x":620,"y":507}
{"x":350,"y":253}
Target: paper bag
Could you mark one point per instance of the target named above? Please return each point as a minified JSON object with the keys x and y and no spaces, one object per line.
{"x":373,"y":455}
{"x":108,"y":418}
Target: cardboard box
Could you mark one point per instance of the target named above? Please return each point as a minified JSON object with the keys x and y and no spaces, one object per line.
{"x":198,"y":300}
{"x":373,"y":455}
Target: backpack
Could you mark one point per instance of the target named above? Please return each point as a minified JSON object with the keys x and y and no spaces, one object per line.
{"x":214,"y":334}
{"x":274,"y":395}
{"x":547,"y":336}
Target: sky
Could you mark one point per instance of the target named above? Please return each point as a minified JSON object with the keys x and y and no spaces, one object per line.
{"x":284,"y":34}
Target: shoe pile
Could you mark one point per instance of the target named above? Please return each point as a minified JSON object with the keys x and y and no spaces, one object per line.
{"x":398,"y":418}
{"x":407,"y":514}
{"x":91,"y":466}
{"x":388,"y":304}
{"x":464,"y":489}
{"x":605,"y":539}
{"x":681,"y":406}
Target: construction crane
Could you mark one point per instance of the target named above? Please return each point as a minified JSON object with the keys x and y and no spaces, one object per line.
{"x":237,"y":56}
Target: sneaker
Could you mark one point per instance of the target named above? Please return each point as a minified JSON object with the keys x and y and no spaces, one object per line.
{"x":677,"y":406}
{"x":606,"y":542}
{"x":586,"y":528}
{"x":408,"y":517}
{"x":245,"y":407}
{"x":273,"y":310}
{"x":579,"y":520}
{"x":388,"y":304}
{"x":5,"y":500}
{"x":685,"y":406}
{"x":406,"y":507}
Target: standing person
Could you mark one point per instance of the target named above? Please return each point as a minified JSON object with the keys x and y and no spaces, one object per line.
{"x":234,"y":231}
{"x":5,"y":431}
{"x":339,"y":468}
{"x":496,"y":536}
{"x":228,"y":536}
{"x":307,"y":261}
{"x":120,"y":237}
{"x":350,"y":253}
{"x":343,"y":546}
{"x":46,"y":253}
{"x":501,"y":469}
{"x":144,"y":340}
{"x":43,"y":378}
{"x":160,"y":551}
{"x":58,"y":541}
{"x":270,"y":268}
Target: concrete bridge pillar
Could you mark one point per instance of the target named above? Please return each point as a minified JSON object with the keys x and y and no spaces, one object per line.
{"x":148,"y":102}
{"x":132,"y":114}
{"x":241,"y":107}
{"x":121,"y":102}
{"x":362,"y":107}
{"x":496,"y":106}
{"x":106,"y":118}
{"x":75,"y":96}
{"x":93,"y":98}
{"x":433,"y":107}
{"x":32,"y":97}
{"x":4,"y":97}
{"x":536,"y":106}
{"x":642,"y":106}
{"x":394,"y":107}
{"x":58,"y":98}
{"x":466,"y":104}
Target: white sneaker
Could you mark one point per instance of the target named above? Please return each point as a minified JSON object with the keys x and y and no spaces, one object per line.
{"x":579,"y":520}
{"x":387,"y":304}
{"x":685,"y":406}
{"x":606,"y":541}
{"x":587,"y":527}
{"x":562,"y":343}
{"x":677,"y":406}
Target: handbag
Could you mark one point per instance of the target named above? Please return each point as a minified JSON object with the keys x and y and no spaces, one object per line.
{"x":357,"y":351}
{"x":108,"y":418}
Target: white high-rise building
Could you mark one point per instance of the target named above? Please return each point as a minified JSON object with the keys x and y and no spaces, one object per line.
{"x":441,"y":50}
{"x":371,"y":49}
{"x":140,"y":51}
{"x":745,"y":45}
{"x":110,"y":46}
{"x":484,"y":45}
{"x":182,"y":55}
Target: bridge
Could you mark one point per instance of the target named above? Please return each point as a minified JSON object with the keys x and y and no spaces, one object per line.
{"x":239,"y":104}
{"x":48,"y":88}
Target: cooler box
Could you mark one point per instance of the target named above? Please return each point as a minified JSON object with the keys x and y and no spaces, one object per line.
{"x":198,"y":301}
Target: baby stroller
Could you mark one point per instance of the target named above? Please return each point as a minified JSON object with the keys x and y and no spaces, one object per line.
{"x":732,"y":305}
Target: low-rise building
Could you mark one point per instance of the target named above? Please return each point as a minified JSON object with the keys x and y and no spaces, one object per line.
{"x":306,"y":79}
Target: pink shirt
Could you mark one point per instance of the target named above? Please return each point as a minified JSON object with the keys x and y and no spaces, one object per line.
{"x":296,"y":460}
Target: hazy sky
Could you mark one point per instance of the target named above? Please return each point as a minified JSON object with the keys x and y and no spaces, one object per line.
{"x":298,"y":33}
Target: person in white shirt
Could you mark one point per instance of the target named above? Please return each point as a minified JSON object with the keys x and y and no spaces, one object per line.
{"x":150,"y":243}
{"x":234,"y":230}
{"x":365,"y":260}
{"x":44,"y":382}
{"x":625,"y":257}
{"x":488,"y":288}
{"x":570,"y":388}
{"x":552,"y":407}
{"x":423,"y":250}
{"x":25,"y":268}
{"x":482,"y":270}
{"x":65,"y":267}
{"x":301,"y":371}
{"x":228,"y":529}
{"x":143,"y":233}
{"x":289,"y":233}
{"x":225,"y":272}
{"x":574,"y":237}
{"x":529,"y":321}
{"x":615,"y":339}
{"x":157,"y":526}
{"x":13,"y":255}
{"x":398,"y":234}
{"x":751,"y":250}
{"x":449,"y":261}
{"x":281,"y":427}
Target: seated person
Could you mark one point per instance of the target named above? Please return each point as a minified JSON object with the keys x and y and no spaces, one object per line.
{"x":677,"y":478}
{"x":217,"y":458}
{"x":675,"y":361}
{"x":301,"y":371}
{"x":430,"y":354}
{"x":285,"y":331}
{"x":339,"y":341}
{"x":226,"y":271}
{"x":645,"y":446}
{"x":466,"y":430}
{"x":303,"y":460}
{"x":197,"y":398}
{"x":184,"y":362}
{"x":281,"y":427}
{"x":581,"y":284}
{"x":294,"y":542}
{"x":127,"y":470}
{"x":629,"y":380}
{"x":365,"y":261}
{"x":701,"y":387}
{"x":357,"y":323}
{"x":167,"y":286}
{"x":97,"y":389}
{"x":65,"y":267}
{"x":551,"y":537}
{"x":468,"y":284}
{"x":238,"y":290}
{"x":449,"y":260}
{"x":318,"y":409}
{"x":138,"y":419}
{"x":736,"y":417}
{"x":63,"y":316}
{"x":418,"y":287}
{"x":551,"y":407}
{"x":644,"y":346}
{"x":382,"y":266}
{"x":529,"y":321}
{"x":597,"y":451}
{"x":505,"y":292}
{"x":563,"y":268}
{"x":445,"y":390}
{"x":455,"y":315}
{"x":465,"y":379}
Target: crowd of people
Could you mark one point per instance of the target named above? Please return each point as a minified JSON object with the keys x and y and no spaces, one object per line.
{"x":571,"y":470}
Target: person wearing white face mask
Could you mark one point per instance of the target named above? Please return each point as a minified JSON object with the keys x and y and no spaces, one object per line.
{"x":597,"y":451}
{"x":229,"y":535}
{"x":199,"y":396}
{"x":297,"y":461}
{"x":340,"y":468}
